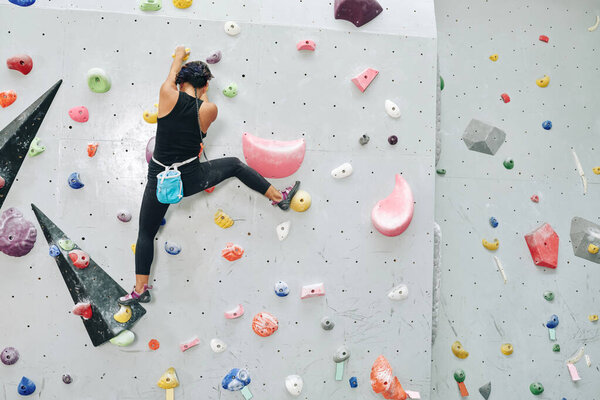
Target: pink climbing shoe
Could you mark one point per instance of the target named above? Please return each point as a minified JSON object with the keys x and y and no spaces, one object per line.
{"x":288,"y":193}
{"x":135,"y":297}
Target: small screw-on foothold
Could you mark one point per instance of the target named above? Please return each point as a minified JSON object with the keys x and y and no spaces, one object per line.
{"x":459,"y":351}
{"x":26,"y":387}
{"x":153,"y":344}
{"x":593,"y":318}
{"x":22,"y":63}
{"x":596,"y":171}
{"x":543,"y":82}
{"x":341,"y":354}
{"x":505,"y":97}
{"x":150,"y":5}
{"x":552,"y":322}
{"x":491,"y":245}
{"x":544,"y":38}
{"x":393,"y":140}
{"x":75,"y":181}
{"x":459,"y":375}
{"x":66,"y":378}
{"x":364,"y":139}
{"x":535,"y":198}
{"x":98,"y":80}
{"x":493,"y":222}
{"x":506,"y":349}
{"x":9,"y":356}
{"x":536,"y":388}
{"x":54,"y":251}
{"x":92,"y":148}
{"x":556,"y":348}
{"x":164,"y":221}
{"x":548,"y":295}
{"x":494,"y":57}
{"x":547,"y":125}
{"x":441,"y":83}
{"x":172,"y":248}
{"x":35,"y":147}
{"x":353,"y":382}
{"x":509,"y":163}
{"x":7,"y":98}
{"x":593,"y":249}
{"x":124,"y":216}
{"x":232,"y":28}
{"x":440,"y":171}
{"x":281,"y":289}
{"x":214,"y":57}
{"x":327,"y":323}
{"x":231,"y":90}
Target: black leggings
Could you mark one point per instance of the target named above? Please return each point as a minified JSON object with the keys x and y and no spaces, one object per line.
{"x":196,"y":177}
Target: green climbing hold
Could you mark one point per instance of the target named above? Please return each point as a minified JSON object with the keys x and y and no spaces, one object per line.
{"x":150,"y":5}
{"x":98,"y":80}
{"x":125,"y":338}
{"x":536,"y":388}
{"x":441,"y":83}
{"x":509,"y":163}
{"x":459,"y":375}
{"x":35,"y":147}
{"x":556,"y":348}
{"x":231,"y":90}
{"x":548,"y":295}
{"x":441,"y":171}
{"x":66,"y":244}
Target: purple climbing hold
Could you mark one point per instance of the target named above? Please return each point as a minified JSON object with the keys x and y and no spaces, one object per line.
{"x":393,"y":140}
{"x":359,"y":12}
{"x":66,"y":378}
{"x":17,"y":235}
{"x":9,"y":356}
{"x":150,"y":148}
{"x":214,"y":57}
{"x":124,"y":216}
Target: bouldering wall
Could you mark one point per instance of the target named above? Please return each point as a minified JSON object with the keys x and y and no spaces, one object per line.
{"x":477,"y":308}
{"x":283,"y":94}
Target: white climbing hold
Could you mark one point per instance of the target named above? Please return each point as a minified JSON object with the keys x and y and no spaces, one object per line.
{"x":283,"y":229}
{"x":588,"y":360}
{"x":232,"y":28}
{"x":217,"y":345}
{"x":293,"y":384}
{"x":576,"y":357}
{"x":580,"y":170}
{"x":342,"y":171}
{"x":398,"y":293}
{"x":501,"y":269}
{"x":595,"y":26}
{"x":392,"y":109}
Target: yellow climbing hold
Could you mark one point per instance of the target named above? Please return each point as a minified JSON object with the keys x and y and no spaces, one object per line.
{"x":494,"y":57}
{"x":187,"y":49}
{"x":222,"y":219}
{"x":459,"y":351}
{"x":491,"y":245}
{"x":593,"y":318}
{"x":133,"y":248}
{"x":151,"y":117}
{"x":182,"y":4}
{"x":596,"y":170}
{"x":301,"y":201}
{"x":593,"y":249}
{"x":123,"y":315}
{"x":168,"y":380}
{"x":506,"y":349}
{"x":543,"y":82}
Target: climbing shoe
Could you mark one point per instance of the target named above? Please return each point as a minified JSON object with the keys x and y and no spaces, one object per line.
{"x":135,"y":297}
{"x":288,"y":193}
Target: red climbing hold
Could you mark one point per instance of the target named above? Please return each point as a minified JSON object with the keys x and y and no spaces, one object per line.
{"x":535,"y":198}
{"x":22,"y":63}
{"x":543,"y":245}
{"x":544,"y":38}
{"x":79,"y":258}
{"x":210,"y":189}
{"x":505,"y":98}
{"x":7,"y":98}
{"x":153,"y":344}
{"x":359,"y":12}
{"x":83,"y":309}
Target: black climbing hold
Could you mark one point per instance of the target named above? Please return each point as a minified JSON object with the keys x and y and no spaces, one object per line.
{"x":485,"y":390}
{"x":92,"y":285}
{"x":17,"y":136}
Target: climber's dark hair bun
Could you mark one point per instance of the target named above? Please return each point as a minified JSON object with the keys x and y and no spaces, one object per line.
{"x":196,"y":73}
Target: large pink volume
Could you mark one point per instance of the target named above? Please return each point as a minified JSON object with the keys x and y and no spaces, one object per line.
{"x":392,"y":215}
{"x":273,"y":158}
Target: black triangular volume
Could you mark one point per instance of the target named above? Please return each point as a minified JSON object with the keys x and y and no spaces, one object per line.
{"x":17,"y":136}
{"x":92,"y":285}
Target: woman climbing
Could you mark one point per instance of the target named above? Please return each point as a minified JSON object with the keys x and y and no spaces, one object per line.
{"x":184,"y":116}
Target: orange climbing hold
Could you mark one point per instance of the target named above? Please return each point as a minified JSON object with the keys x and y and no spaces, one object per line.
{"x":91,"y":149}
{"x":7,"y":98}
{"x":232,"y":252}
{"x":383,"y":381}
{"x":264,"y":324}
{"x":154,"y":344}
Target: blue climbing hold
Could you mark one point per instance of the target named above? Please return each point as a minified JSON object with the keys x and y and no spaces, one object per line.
{"x":164,"y":221}
{"x":282,"y":289}
{"x":54,"y":251}
{"x":552,"y":322}
{"x":547,"y":125}
{"x":22,"y":3}
{"x":26,"y":387}
{"x":172,"y":248}
{"x":236,"y":379}
{"x":353,"y":382}
{"x":75,"y":181}
{"x":493,"y":222}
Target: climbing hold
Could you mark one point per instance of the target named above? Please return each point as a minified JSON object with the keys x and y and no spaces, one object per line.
{"x":231,"y":90}
{"x":91,"y":149}
{"x":548,"y":295}
{"x":283,"y":229}
{"x":595,"y":26}
{"x":398,"y":293}
{"x":506,"y":349}
{"x":123,"y":315}
{"x":2,"y":182}
{"x":98,"y":81}
{"x":163,"y":222}
{"x":232,"y":28}
{"x":282,"y":289}
{"x":593,"y":317}
{"x":315,"y":290}
{"x":536,"y":388}
{"x":153,"y":344}
{"x":79,"y":258}
{"x":392,"y":109}
{"x":210,"y":189}
{"x":392,"y":215}
{"x":124,"y":216}
{"x":75,"y":181}
{"x":273,"y":158}
{"x":342,"y":171}
{"x":364,"y":139}
{"x":22,"y":63}
{"x":7,"y":98}
{"x":150,"y":5}
{"x":301,"y":201}
{"x":172,"y":248}
{"x":182,"y":3}
{"x":482,"y":137}
{"x":509,"y":163}
{"x":505,"y":97}
{"x":79,"y":114}
{"x":306,"y":45}
{"x":493,"y":222}
{"x":168,"y":381}
{"x":17,"y":235}
{"x":393,"y":139}
{"x":535,"y":198}
{"x":595,"y":169}
{"x":187,"y":49}
{"x":232,"y":252}
{"x":459,"y":351}
{"x":54,"y":251}
{"x":341,"y":354}
{"x":552,"y":322}
{"x":543,"y":245}
{"x":195,"y":341}
{"x":83,"y":309}
{"x":327,"y":323}
{"x":364,"y":79}
{"x":150,"y":148}
{"x":214,"y":57}
{"x":26,"y":386}
{"x":544,"y":38}
{"x":123,"y":339}
{"x":353,"y":382}
{"x":556,"y":348}
{"x":9,"y":356}
{"x":440,"y":171}
{"x":547,"y":125}
{"x":235,"y":312}
{"x":459,"y":377}
{"x":494,"y":57}
{"x":264,"y":324}
{"x":293,"y":384}
{"x":486,"y":390}
{"x":151,"y":117}
{"x":35,"y":148}
{"x":381,"y":375}
{"x":222,"y":219}
{"x":441,"y":83}
{"x":66,"y":244}
{"x":236,"y":379}
{"x":359,"y":12}
{"x":585,"y":236}
{"x":66,"y":378}
{"x":543,"y":82}
{"x":217,"y":345}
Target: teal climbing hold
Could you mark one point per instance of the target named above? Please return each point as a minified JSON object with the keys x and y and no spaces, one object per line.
{"x":98,"y":80}
{"x":231,"y":90}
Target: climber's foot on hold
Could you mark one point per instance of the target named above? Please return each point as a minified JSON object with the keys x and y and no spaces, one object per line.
{"x":287,"y":193}
{"x":135,"y":297}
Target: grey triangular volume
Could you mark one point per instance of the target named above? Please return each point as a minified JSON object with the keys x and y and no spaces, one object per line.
{"x":485,"y":390}
{"x":92,"y":285}
{"x":17,"y":136}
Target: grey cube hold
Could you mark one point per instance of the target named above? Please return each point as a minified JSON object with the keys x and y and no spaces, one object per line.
{"x":584,"y":233}
{"x":483,"y":137}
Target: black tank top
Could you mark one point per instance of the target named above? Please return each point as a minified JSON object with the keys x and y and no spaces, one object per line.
{"x":178,"y":133}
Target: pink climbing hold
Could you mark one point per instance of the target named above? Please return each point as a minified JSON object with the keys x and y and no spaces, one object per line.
{"x":79,"y":114}
{"x":83,"y":310}
{"x":189,"y":344}
{"x":2,"y":182}
{"x":535,"y":198}
{"x":306,"y":45}
{"x":22,"y":63}
{"x":392,"y":215}
{"x":359,"y":12}
{"x":364,"y":79}
{"x":235,"y":313}
{"x":273,"y":158}
{"x":318,"y":289}
{"x":543,"y":245}
{"x":79,"y":258}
